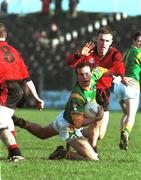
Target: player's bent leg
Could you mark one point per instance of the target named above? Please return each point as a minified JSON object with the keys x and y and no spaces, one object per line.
{"x":123,"y":119}
{"x":131,"y":109}
{"x":94,"y":135}
{"x":20,"y":122}
{"x":132,"y":106}
{"x":8,"y":139}
{"x":62,"y":153}
{"x":123,"y":106}
{"x":123,"y":145}
{"x":83,"y":148}
{"x":59,"y":153}
{"x":11,"y":127}
{"x":35,"y":129}
{"x":6,"y":126}
{"x":41,"y":132}
{"x":103,"y":125}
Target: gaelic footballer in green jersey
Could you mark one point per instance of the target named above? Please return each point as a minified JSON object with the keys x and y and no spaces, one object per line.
{"x":69,"y":122}
{"x":132,"y":60}
{"x":80,"y":95}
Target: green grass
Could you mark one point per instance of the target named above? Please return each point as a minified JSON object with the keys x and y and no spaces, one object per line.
{"x":114,"y":164}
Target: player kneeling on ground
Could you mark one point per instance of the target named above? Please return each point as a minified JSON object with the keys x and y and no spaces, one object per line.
{"x":70,"y":122}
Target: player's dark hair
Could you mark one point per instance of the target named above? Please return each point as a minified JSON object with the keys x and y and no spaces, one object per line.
{"x":105,"y":30}
{"x":81,"y":65}
{"x":136,"y":35}
{"x":3,"y":30}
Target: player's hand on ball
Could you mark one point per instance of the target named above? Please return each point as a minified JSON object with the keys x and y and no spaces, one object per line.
{"x":100,"y":113}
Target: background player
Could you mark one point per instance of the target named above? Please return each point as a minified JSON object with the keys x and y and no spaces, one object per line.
{"x":132,"y":60}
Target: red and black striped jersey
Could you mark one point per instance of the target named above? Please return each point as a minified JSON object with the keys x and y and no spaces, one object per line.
{"x":12,"y":66}
{"x":112,"y":61}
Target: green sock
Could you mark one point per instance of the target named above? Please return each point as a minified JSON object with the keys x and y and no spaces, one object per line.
{"x":127,"y":130}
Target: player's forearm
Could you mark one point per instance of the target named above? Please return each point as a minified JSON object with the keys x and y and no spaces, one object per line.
{"x":32,"y":89}
{"x":73,"y":59}
{"x":88,"y":122}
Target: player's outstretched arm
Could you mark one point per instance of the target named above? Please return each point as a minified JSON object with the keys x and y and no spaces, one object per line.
{"x":39,"y":102}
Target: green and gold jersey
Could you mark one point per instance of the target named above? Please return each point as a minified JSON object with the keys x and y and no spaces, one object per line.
{"x":74,"y":110}
{"x":132,"y":60}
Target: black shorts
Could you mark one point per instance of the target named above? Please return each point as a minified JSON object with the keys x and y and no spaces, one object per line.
{"x":13,"y":93}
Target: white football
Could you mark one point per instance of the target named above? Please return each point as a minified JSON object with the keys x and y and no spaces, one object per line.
{"x":91,"y":109}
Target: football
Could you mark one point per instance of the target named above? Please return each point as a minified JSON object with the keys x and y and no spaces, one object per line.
{"x":91,"y":109}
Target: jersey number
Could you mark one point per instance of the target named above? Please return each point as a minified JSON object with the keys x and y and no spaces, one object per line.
{"x":8,"y":56}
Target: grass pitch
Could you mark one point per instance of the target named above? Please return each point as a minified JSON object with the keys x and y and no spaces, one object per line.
{"x":114,"y":164}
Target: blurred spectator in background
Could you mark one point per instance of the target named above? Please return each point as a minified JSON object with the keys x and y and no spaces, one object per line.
{"x":53,"y":34}
{"x":40,"y":37}
{"x":46,"y":6}
{"x":58,"y":6}
{"x":73,"y":8}
{"x":4,"y":7}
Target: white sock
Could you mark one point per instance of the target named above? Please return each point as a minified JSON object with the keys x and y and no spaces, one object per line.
{"x":7,"y":137}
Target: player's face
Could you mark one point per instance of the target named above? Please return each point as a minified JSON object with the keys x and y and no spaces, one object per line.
{"x":84,"y":76}
{"x":104,"y":41}
{"x":137,"y":43}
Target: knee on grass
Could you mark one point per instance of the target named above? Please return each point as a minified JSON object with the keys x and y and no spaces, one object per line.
{"x":101,"y":136}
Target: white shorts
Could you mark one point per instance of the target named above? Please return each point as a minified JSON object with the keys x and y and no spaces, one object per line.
{"x":124,"y":92}
{"x":62,"y":126}
{"x":6,"y":118}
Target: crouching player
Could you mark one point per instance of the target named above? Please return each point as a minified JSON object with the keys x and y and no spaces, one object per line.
{"x":70,"y":122}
